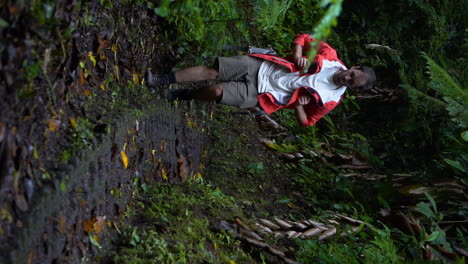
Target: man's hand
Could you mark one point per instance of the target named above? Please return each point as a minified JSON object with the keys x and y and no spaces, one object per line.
{"x":301,"y":62}
{"x":303,"y":100}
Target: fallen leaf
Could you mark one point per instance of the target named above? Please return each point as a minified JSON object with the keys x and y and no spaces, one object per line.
{"x":73,"y":123}
{"x":114,"y":48}
{"x":183,"y":170}
{"x":103,"y":87}
{"x":82,"y":78}
{"x":53,"y":124}
{"x":124,"y":158}
{"x":136,"y":80}
{"x":153,"y":154}
{"x":162,"y":146}
{"x":92,"y":58}
{"x":4,"y":214}
{"x":2,"y":131}
{"x":83,"y":204}
{"x":117,"y":73}
{"x":99,"y":224}
{"x":62,"y":221}
{"x":87,"y":92}
{"x":88,"y":225}
{"x":164,"y":174}
{"x":31,"y":256}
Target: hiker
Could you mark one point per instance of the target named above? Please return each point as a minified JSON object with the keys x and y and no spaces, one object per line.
{"x":272,"y":82}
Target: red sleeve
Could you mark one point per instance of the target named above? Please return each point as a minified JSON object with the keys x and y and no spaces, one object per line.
{"x":303,"y":39}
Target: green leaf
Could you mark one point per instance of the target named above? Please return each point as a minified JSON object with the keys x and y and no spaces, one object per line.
{"x":284,"y":200}
{"x":433,"y":203}
{"x":162,"y":11}
{"x":424,"y":209}
{"x":94,"y":242}
{"x":63,"y":186}
{"x":433,"y":236}
{"x":464,"y":135}
{"x":455,"y":164}
{"x":3,"y":23}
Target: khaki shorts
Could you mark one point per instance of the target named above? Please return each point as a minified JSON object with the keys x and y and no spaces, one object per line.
{"x":238,"y":76}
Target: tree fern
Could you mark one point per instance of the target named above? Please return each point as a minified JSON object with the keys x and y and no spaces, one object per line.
{"x":270,"y":13}
{"x":451,"y":92}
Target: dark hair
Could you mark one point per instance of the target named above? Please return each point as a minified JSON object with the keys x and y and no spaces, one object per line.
{"x":370,"y":77}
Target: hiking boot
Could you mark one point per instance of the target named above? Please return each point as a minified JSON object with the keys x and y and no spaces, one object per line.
{"x":181,"y":94}
{"x":160,"y":80}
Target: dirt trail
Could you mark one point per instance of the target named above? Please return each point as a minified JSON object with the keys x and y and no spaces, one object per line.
{"x":72,"y":101}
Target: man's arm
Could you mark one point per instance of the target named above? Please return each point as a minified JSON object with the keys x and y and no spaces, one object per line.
{"x":301,"y":116}
{"x":297,"y":53}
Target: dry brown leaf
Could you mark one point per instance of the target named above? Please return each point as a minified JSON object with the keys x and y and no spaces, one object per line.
{"x":87,"y":92}
{"x":183,"y":170}
{"x":62,"y":222}
{"x":2,"y":131}
{"x":99,"y":224}
{"x":53,"y":124}
{"x":162,"y":146}
{"x":31,"y":256}
{"x":328,"y":233}
{"x":82,"y":78}
{"x":117,"y":72}
{"x":88,"y":225}
{"x":124,"y":159}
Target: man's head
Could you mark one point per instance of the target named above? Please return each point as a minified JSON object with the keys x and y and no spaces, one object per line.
{"x":358,"y":77}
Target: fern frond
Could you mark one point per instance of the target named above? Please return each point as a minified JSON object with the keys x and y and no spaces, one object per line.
{"x":270,"y":13}
{"x":419,"y":96}
{"x":442,"y":83}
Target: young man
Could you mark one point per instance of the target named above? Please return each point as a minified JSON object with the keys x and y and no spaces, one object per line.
{"x":272,"y":82}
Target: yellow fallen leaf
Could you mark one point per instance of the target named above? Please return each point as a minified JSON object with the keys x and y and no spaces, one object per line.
{"x":136,"y":80}
{"x":87,"y":92}
{"x":103,"y":87}
{"x":124,"y":158}
{"x":164,"y":174}
{"x":91,"y":57}
{"x":73,"y":123}
{"x":53,"y":124}
{"x":114,"y":48}
{"x":153,"y":154}
{"x":96,"y":238}
{"x":117,"y":73}
{"x":199,"y":175}
{"x":125,"y":146}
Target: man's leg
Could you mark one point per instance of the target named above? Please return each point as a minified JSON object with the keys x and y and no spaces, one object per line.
{"x":197,"y":73}
{"x":206,"y":93}
{"x":193,"y":74}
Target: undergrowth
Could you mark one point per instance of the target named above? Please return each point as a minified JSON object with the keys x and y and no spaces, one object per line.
{"x":177,"y":224}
